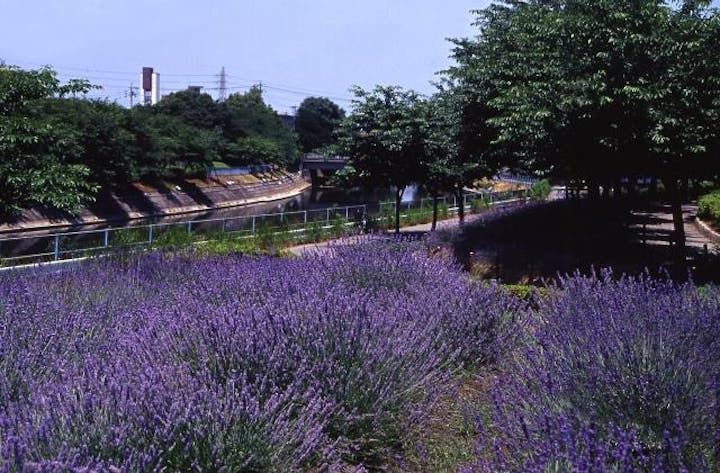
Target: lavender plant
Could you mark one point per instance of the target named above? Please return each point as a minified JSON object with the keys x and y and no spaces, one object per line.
{"x":616,"y":375}
{"x":232,"y":363}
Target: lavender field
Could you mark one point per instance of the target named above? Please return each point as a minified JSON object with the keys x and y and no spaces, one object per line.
{"x":234,"y":363}
{"x":321,"y":363}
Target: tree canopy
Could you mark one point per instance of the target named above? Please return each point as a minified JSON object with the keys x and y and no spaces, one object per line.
{"x":316,"y":121}
{"x":598,"y":90}
{"x":385,"y":138}
{"x":58,"y":148}
{"x":38,"y":159}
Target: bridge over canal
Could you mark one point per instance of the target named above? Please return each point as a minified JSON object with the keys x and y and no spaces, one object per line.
{"x":319,"y":166}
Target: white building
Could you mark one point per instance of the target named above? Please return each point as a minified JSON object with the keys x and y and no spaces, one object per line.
{"x":149,"y":86}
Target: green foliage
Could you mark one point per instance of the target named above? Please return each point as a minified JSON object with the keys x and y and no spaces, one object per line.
{"x":709,"y":207}
{"x":127,"y":237}
{"x":597,"y":89}
{"x":479,"y":204}
{"x":253,"y":150}
{"x":173,"y":238}
{"x":316,"y":120}
{"x":540,"y":190}
{"x":195,"y":109}
{"x":56,"y":150}
{"x":249,"y":117}
{"x":385,"y":136}
{"x":448,"y":165}
{"x":39,"y":162}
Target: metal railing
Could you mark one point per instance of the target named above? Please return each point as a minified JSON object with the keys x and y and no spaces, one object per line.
{"x":219,"y":172}
{"x":66,"y":245}
{"x":471,"y":201}
{"x":516,"y":178}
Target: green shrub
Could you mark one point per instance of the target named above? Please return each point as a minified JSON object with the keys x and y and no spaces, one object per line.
{"x":709,"y":207}
{"x":173,"y":237}
{"x":540,"y":190}
{"x":128,"y":237}
{"x":479,"y":204}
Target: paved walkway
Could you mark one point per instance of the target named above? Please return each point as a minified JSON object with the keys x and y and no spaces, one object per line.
{"x":657,"y":227}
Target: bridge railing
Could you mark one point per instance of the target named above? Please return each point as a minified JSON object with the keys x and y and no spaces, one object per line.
{"x":515,"y":178}
{"x":419,"y":211}
{"x":27,"y":249}
{"x":472,"y":201}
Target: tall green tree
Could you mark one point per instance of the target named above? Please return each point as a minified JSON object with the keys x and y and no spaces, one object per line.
{"x":194,"y":108}
{"x":104,"y":135}
{"x":448,"y":165}
{"x":38,"y":161}
{"x":254,"y":125}
{"x":599,"y":90}
{"x":316,"y":121}
{"x":385,"y":137}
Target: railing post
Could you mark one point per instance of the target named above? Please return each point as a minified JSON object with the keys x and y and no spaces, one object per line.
{"x":57,"y":247}
{"x":189,"y":228}
{"x":253,"y":225}
{"x":223,"y":225}
{"x":346,"y":214}
{"x":150,"y":233}
{"x":106,"y":238}
{"x":327,"y":216}
{"x":305,"y":217}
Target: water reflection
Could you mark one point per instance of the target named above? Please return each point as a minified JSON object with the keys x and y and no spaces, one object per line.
{"x":40,"y":241}
{"x":311,"y":198}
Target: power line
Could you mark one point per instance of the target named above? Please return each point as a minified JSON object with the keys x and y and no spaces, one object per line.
{"x":131,"y":93}
{"x":115,"y":76}
{"x":212,"y":79}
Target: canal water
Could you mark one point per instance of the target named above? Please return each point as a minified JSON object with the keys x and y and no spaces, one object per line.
{"x":313,"y":198}
{"x":310,"y":199}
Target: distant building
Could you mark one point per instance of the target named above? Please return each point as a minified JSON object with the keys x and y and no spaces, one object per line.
{"x":149,"y":86}
{"x":196,"y":89}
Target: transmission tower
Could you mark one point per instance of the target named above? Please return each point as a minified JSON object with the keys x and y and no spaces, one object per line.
{"x":222,"y":86}
{"x":131,"y":92}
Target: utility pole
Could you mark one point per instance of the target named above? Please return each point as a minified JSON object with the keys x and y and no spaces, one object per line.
{"x":222,"y":86}
{"x":131,"y":93}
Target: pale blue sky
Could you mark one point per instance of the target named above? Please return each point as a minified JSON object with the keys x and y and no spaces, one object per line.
{"x":296,"y":48}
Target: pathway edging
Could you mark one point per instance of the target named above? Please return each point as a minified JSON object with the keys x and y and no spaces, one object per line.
{"x":707,"y":230}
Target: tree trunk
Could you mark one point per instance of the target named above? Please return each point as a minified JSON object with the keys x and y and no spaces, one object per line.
{"x":606,"y":190}
{"x":680,"y":251}
{"x":695,"y":188}
{"x":632,"y":186}
{"x":685,"y":189}
{"x":653,"y":187}
{"x":433,"y":226}
{"x":398,"y":202}
{"x":461,"y":205}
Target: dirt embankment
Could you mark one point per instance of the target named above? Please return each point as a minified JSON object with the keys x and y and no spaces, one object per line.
{"x":141,"y":200}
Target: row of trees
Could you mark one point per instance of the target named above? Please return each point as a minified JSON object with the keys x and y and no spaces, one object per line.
{"x":601,"y":91}
{"x":58,"y":149}
{"x":395,"y":138}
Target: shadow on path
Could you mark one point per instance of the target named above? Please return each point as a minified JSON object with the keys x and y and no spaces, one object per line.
{"x":535,"y":244}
